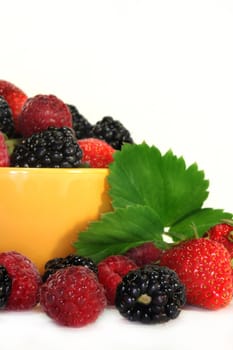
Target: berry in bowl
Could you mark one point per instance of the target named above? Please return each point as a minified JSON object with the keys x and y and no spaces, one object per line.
{"x":53,"y":172}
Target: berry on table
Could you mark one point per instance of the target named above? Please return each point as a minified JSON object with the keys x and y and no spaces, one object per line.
{"x":25,"y":281}
{"x":96,"y":153}
{"x":73,"y":296}
{"x":150,"y":294}
{"x":204,"y":267}
{"x":222,"y":233}
{"x":110,"y":273}
{"x":112,"y":131}
{"x":42,"y":111}
{"x":5,"y":286}
{"x":70,"y":260}
{"x":51,"y":148}
{"x":144,"y":254}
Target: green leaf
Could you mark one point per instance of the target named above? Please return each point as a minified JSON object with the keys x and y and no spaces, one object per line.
{"x":141,"y":175}
{"x":151,"y":193}
{"x":197,"y":223}
{"x":119,"y":231}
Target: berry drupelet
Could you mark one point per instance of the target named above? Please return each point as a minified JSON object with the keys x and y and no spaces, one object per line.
{"x":80,"y":124}
{"x":112,"y":131}
{"x":6,"y":118}
{"x":52,"y":148}
{"x":151,"y":294}
{"x":5,"y":286}
{"x":70,"y":260}
{"x":73,"y":296}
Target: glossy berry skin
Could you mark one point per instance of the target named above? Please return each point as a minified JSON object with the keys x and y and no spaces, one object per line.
{"x":25,"y":279}
{"x":80,"y":124}
{"x":150,"y":294}
{"x":55,"y":264}
{"x":15,"y":98}
{"x":144,"y":254}
{"x":112,"y":131}
{"x":96,"y":153}
{"x":5,"y":286}
{"x":6,"y":118}
{"x":72,"y":296}
{"x":50,"y":148}
{"x":203,"y":266}
{"x":4,"y":155}
{"x":222,"y":233}
{"x":110,"y":273}
{"x":42,"y":111}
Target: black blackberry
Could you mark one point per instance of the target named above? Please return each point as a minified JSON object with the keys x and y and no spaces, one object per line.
{"x":70,"y":260}
{"x":112,"y":131}
{"x":5,"y":286}
{"x":81,"y":125}
{"x":52,"y":148}
{"x":6,"y":118}
{"x":151,"y":294}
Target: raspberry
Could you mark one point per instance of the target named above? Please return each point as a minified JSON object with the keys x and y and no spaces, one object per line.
{"x":96,"y":153}
{"x":6,"y":118}
{"x":15,"y":98}
{"x":80,"y":124}
{"x":5,"y":286}
{"x":4,"y":154}
{"x":25,"y":279}
{"x":51,"y":148}
{"x":70,"y":260}
{"x":112,"y":131}
{"x":73,"y":296}
{"x":144,"y":254}
{"x":42,"y":111}
{"x":204,"y":267}
{"x":151,"y":294}
{"x":110,"y":273}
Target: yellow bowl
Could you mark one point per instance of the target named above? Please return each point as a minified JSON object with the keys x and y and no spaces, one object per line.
{"x":42,"y":210}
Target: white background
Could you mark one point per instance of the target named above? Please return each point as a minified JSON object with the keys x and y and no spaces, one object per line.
{"x":165,"y":70}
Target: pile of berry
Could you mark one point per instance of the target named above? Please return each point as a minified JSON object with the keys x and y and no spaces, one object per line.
{"x":44,"y":132}
{"x":145,"y":285}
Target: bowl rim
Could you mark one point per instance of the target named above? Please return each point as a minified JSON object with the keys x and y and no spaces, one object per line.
{"x":42,"y":171}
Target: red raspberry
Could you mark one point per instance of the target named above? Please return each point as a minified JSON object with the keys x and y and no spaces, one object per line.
{"x":26,"y":281}
{"x":97,"y":153}
{"x":144,"y":254}
{"x":110,"y":273}
{"x":14,"y":96}
{"x":73,"y":296}
{"x":40,"y":112}
{"x":204,"y":267}
{"x":4,"y":155}
{"x":222,"y":233}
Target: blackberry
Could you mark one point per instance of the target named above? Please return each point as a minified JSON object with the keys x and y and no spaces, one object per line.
{"x":5,"y":286}
{"x":70,"y":260}
{"x":6,"y":118}
{"x":151,"y":294}
{"x":112,"y":131}
{"x":81,"y":125}
{"x":52,"y":148}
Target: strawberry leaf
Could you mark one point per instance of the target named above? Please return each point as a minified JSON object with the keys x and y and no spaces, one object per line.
{"x":120,"y":230}
{"x":151,"y":194}
{"x":197,"y":223}
{"x":141,"y":175}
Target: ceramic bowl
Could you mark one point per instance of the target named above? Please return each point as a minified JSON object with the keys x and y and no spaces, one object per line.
{"x":42,"y":210}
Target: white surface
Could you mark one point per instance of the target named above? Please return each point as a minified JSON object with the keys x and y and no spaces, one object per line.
{"x":164,"y":68}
